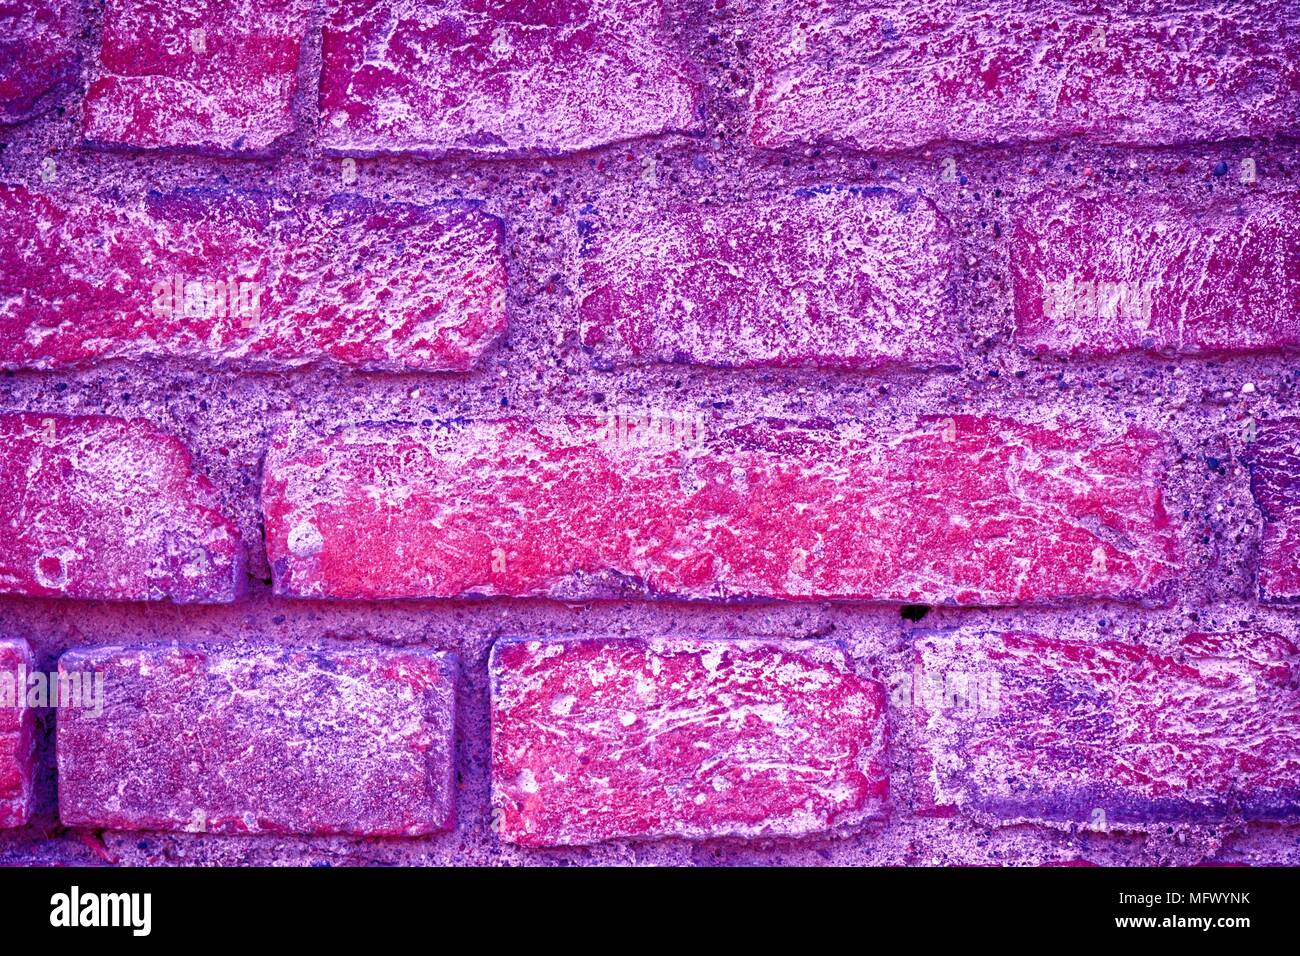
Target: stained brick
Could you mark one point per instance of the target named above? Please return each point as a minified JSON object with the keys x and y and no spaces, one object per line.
{"x":109,"y":509}
{"x":1097,"y":276}
{"x":966,"y":510}
{"x":599,"y":739}
{"x":500,"y":77}
{"x":39,"y":61}
{"x":261,"y":739}
{"x":894,"y":76}
{"x":1020,"y":727}
{"x":17,"y":722}
{"x":827,"y":277}
{"x":214,"y":76}
{"x":1274,"y":462}
{"x":263,"y":280}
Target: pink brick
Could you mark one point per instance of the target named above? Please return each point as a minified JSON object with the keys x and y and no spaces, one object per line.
{"x":1096,"y":276}
{"x":17,"y":726}
{"x":266,"y":281}
{"x":500,"y":77}
{"x":261,"y":739}
{"x":960,"y":510}
{"x":830,"y":277}
{"x":39,"y":61}
{"x":211,"y":75}
{"x":893,"y":76}
{"x":1274,"y":462}
{"x":1019,"y":727}
{"x":108,"y":509}
{"x":601,"y":739}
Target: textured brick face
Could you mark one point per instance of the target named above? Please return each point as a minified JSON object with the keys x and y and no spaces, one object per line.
{"x":831,"y":277}
{"x":16,"y":729}
{"x":38,"y":55}
{"x":1099,"y":276}
{"x":261,"y":739}
{"x":1275,"y":483}
{"x":964,"y":510}
{"x":1027,"y":728}
{"x":598,"y":739}
{"x":500,"y":77}
{"x":263,"y":281}
{"x":201,"y":75}
{"x":107,"y":509}
{"x":890,"y":77}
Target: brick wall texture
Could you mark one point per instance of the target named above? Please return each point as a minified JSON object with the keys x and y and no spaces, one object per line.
{"x":649,"y":431}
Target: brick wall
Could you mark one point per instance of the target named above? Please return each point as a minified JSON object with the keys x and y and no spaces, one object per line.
{"x":544,"y":431}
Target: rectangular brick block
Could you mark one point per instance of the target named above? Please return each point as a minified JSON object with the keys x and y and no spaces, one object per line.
{"x":598,"y":739}
{"x":1097,"y":276}
{"x":261,"y":739}
{"x":17,"y":726}
{"x":227,"y":276}
{"x":898,"y":76}
{"x":39,"y":61}
{"x":1020,"y":727}
{"x":108,"y":509}
{"x":965,"y":510}
{"x":215,"y":76}
{"x":1274,"y":462}
{"x":825,"y":277}
{"x":500,"y":77}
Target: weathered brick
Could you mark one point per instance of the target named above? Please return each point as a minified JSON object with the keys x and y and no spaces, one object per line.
{"x":108,"y":509}
{"x":213,"y":76}
{"x":1020,"y":727}
{"x":16,"y":734}
{"x":1103,"y":275}
{"x":265,"y":281}
{"x":830,"y":277}
{"x":899,"y":76}
{"x":261,"y":739}
{"x":967,"y":510}
{"x":500,"y":77}
{"x":39,"y":61}
{"x":598,"y":739}
{"x":1274,"y":462}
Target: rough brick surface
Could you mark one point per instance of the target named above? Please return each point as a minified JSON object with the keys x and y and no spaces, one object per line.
{"x":38,"y":55}
{"x":965,"y":509}
{"x":261,"y":739}
{"x":500,"y":77}
{"x":598,"y":739}
{"x":109,"y":509}
{"x":1275,"y":483}
{"x":827,"y":277}
{"x":200,"y":75}
{"x":899,"y":76}
{"x":1021,"y":727}
{"x":264,"y":281}
{"x":1103,"y":275}
{"x":16,"y":734}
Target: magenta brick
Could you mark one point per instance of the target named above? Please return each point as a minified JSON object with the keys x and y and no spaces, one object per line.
{"x":215,"y":76}
{"x":1096,"y":276}
{"x":966,"y":510}
{"x":893,"y":76}
{"x":827,"y":277}
{"x":597,"y":739}
{"x":1274,"y":462}
{"x":261,"y":739}
{"x":263,"y":281}
{"x":17,"y":724}
{"x":39,"y":61}
{"x":108,"y":509}
{"x":500,"y":77}
{"x":1021,"y":727}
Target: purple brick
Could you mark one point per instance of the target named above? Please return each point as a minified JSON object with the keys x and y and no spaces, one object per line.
{"x":39,"y":61}
{"x":17,"y":726}
{"x":1274,"y":462}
